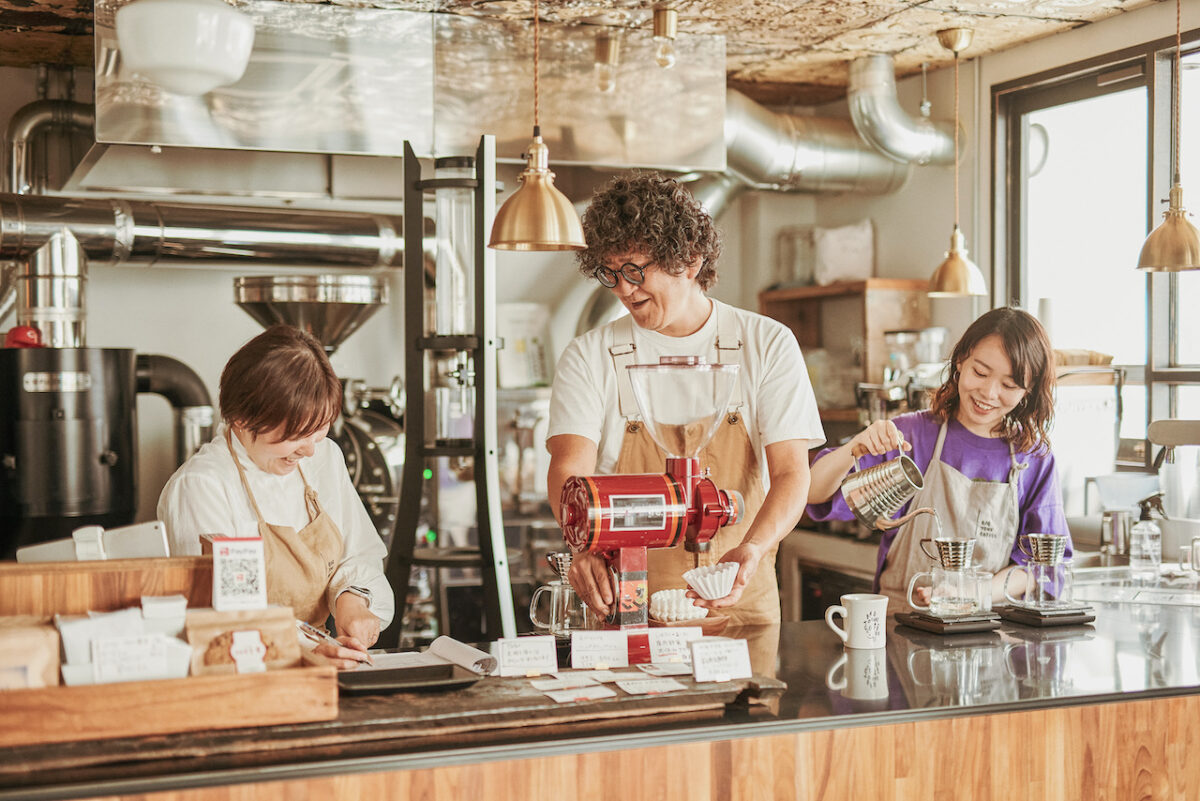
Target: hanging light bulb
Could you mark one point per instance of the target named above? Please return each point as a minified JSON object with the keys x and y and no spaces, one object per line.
{"x":537,"y":216}
{"x":957,"y":274}
{"x":666,"y":23}
{"x":608,"y":60}
{"x":1174,"y":245}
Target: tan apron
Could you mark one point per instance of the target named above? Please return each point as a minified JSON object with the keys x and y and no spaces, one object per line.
{"x":989,"y":511}
{"x":734,"y":466}
{"x":299,"y":563}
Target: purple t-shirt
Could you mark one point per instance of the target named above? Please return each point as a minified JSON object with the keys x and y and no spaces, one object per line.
{"x":1039,"y":499}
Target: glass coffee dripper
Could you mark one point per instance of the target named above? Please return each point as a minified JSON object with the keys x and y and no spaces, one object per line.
{"x":1048,"y":578}
{"x":956,"y":589}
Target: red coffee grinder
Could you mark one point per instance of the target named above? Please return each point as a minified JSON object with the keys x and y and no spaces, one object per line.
{"x":682,"y":401}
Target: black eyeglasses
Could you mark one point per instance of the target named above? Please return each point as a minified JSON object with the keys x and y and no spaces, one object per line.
{"x":633,"y":273}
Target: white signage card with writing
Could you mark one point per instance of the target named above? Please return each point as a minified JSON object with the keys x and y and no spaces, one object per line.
{"x":248,"y":652}
{"x":239,"y":574}
{"x":601,"y":676}
{"x":129,"y":658}
{"x":650,"y":686}
{"x":563,"y":681}
{"x":720,"y":659}
{"x":581,"y":694}
{"x":667,"y":669}
{"x":599,"y":649}
{"x":671,"y":644}
{"x":527,"y":656}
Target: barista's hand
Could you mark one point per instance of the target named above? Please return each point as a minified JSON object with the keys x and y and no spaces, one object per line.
{"x":747,"y":555}
{"x":355,"y":620}
{"x":877,"y":439}
{"x":590,"y":579}
{"x":350,"y":654}
{"x":922,"y":595}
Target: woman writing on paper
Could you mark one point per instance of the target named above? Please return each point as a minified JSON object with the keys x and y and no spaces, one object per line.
{"x":982,"y":448}
{"x":270,"y":472}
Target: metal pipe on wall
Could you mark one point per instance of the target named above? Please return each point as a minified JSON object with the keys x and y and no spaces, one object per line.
{"x":189,"y":399}
{"x":27,"y":122}
{"x":881,"y":121}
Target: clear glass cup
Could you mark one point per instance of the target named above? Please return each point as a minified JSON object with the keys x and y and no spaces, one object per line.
{"x":952,"y":593}
{"x":1046,"y":586}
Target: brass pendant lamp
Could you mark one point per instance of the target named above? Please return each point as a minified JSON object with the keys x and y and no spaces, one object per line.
{"x":1173,"y":246}
{"x":957,"y":274}
{"x":537,"y":216}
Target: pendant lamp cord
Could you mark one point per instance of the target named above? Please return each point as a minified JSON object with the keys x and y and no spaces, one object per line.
{"x":956,"y":139}
{"x":537,"y":130}
{"x":1178,"y":82}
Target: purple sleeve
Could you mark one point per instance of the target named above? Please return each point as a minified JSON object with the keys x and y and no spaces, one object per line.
{"x":1041,"y":505}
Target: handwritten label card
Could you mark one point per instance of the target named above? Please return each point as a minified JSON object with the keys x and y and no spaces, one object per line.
{"x":671,"y":644}
{"x":563,"y":681}
{"x":719,"y":659}
{"x":667,"y":669}
{"x":129,"y":658}
{"x":248,"y":652}
{"x":239,"y":574}
{"x":527,"y":656}
{"x":581,"y":694}
{"x":650,"y":686}
{"x":599,"y":649}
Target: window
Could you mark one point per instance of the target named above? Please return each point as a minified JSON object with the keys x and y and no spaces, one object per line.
{"x":1084,"y":157}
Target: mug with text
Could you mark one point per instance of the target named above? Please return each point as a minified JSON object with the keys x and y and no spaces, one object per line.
{"x":865,"y":615}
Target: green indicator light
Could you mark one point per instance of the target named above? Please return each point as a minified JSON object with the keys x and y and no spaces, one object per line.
{"x":428,"y":474}
{"x":431,"y":537}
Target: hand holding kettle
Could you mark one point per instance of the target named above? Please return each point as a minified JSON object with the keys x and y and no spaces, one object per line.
{"x":877,"y":439}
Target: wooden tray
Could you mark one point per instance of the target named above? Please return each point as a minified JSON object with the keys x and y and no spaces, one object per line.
{"x":139,"y":708}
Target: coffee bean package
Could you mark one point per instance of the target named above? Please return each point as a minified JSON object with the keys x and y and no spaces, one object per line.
{"x":218,"y":647}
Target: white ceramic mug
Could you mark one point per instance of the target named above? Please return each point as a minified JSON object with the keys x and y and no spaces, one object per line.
{"x":865,"y":674}
{"x":866,"y":619}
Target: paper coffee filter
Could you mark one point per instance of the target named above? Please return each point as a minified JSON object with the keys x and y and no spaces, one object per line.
{"x":712,"y":581}
{"x":671,"y":606}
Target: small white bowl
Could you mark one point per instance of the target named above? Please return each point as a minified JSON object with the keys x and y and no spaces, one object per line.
{"x":188,"y":47}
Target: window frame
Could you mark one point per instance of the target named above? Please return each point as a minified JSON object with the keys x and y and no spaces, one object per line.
{"x":1151,"y":65}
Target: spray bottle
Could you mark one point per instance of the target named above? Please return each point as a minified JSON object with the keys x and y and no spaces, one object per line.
{"x":1145,"y":540}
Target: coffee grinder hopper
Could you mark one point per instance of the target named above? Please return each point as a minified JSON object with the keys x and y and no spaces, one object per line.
{"x":682,"y":400}
{"x":330,"y":307}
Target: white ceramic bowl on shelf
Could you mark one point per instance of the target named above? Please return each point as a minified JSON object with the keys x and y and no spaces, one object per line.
{"x":188,"y":47}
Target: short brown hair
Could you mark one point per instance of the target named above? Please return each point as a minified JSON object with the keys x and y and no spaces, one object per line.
{"x":650,"y":213}
{"x":280,"y":379}
{"x":1027,"y":427}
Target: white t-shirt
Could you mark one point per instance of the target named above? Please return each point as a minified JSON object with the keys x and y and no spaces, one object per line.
{"x":778,"y":401}
{"x":206,"y":496}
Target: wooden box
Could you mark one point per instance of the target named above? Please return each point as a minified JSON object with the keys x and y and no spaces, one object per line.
{"x":133,"y":709}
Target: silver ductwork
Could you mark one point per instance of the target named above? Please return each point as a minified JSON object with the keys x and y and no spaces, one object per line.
{"x":883,"y":124}
{"x":773,"y":150}
{"x":27,"y":122}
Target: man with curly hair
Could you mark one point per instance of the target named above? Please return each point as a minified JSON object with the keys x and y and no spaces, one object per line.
{"x":655,"y":247}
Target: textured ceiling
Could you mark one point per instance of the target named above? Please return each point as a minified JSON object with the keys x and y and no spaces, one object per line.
{"x":776,"y":51}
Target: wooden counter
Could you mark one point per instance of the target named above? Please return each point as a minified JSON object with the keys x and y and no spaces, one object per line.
{"x":1109,"y":711}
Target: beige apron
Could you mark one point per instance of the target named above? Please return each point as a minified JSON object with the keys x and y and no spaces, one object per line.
{"x":299,"y":563}
{"x":989,"y":511}
{"x":734,"y":466}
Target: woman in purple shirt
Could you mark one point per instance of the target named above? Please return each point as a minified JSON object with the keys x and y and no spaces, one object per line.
{"x":982,"y":447}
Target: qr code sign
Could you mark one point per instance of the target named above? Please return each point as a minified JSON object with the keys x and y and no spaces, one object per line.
{"x":240,"y":578}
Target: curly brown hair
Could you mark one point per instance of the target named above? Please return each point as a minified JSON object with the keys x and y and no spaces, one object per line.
{"x":652,"y":214}
{"x":280,"y":379}
{"x":1026,"y":427}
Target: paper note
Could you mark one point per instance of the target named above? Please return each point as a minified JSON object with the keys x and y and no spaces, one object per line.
{"x":527,"y":656}
{"x":601,"y":676}
{"x":599,"y":649}
{"x":650,"y":686}
{"x":671,"y":644}
{"x":563,"y":682}
{"x":720,"y":659}
{"x":582,"y":694}
{"x":667,"y":669}
{"x":129,"y":658}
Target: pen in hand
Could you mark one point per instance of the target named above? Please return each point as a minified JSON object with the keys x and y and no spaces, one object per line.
{"x":317,"y":635}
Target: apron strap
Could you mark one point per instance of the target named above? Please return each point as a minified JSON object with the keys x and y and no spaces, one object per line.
{"x":242,"y":474}
{"x":937,"y":449}
{"x":624,"y":353}
{"x":730,"y":351}
{"x":311,"y":504}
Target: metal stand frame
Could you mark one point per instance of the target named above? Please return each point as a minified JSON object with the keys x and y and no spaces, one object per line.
{"x":492,"y":554}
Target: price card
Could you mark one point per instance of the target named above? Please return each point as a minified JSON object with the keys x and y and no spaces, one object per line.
{"x":671,"y":644}
{"x":239,"y":574}
{"x":650,"y":686}
{"x":668,"y":669}
{"x":582,"y":694}
{"x":129,"y":658}
{"x":563,"y":681}
{"x":599,"y":649}
{"x":527,"y":656}
{"x":720,"y":659}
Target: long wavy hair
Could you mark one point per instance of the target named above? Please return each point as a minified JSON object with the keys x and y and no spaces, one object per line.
{"x":653,"y":214}
{"x":1025,"y":343}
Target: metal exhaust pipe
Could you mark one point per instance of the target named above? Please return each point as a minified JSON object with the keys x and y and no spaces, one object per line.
{"x":881,"y":121}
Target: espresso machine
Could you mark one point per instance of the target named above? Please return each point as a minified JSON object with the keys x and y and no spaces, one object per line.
{"x":682,"y":401}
